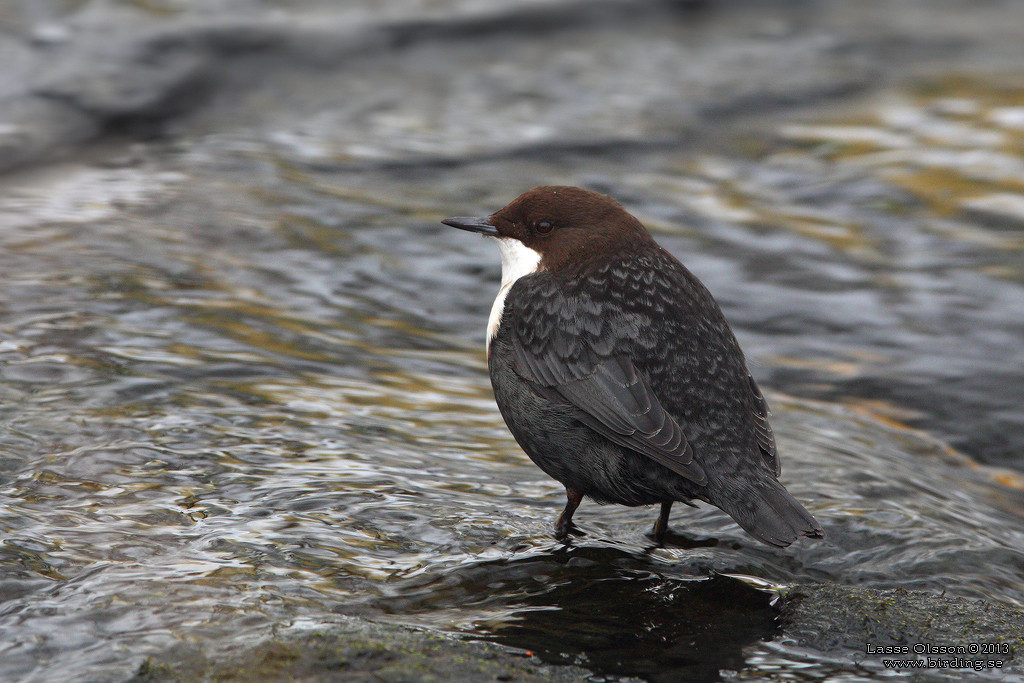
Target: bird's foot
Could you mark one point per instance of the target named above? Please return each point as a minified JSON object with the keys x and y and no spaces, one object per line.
{"x":565,"y":530}
{"x":658,"y":534}
{"x":564,"y":525}
{"x":661,"y":526}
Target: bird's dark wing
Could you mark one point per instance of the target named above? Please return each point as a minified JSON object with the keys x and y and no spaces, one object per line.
{"x":763,"y":430}
{"x":615,"y":399}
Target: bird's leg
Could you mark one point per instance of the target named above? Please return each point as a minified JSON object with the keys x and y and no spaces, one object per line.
{"x":564,"y":524}
{"x":661,"y":526}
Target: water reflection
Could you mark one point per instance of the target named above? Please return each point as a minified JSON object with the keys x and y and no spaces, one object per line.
{"x":607,"y":609}
{"x":660,"y":630}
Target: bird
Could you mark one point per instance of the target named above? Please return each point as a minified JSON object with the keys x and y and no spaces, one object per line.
{"x":615,"y":370}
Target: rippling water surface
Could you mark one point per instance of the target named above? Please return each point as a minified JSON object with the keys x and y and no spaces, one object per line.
{"x":237,"y":388}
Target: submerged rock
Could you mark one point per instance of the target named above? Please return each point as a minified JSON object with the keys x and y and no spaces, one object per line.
{"x":356,"y":651}
{"x":849,"y":626}
{"x":876,"y":629}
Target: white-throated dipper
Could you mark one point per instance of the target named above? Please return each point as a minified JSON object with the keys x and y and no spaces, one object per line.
{"x":617,"y":373}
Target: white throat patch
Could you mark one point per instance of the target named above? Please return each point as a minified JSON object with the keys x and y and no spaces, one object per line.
{"x":517,"y":260}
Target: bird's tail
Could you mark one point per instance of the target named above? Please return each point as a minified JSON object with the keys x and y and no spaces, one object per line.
{"x":767,"y":511}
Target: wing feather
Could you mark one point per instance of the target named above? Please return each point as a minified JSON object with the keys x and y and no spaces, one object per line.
{"x":616,"y":401}
{"x":763,"y":430}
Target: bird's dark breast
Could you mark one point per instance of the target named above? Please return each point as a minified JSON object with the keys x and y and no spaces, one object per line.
{"x":646,"y":307}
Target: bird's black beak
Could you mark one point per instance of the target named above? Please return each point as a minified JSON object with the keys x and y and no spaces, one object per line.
{"x":480,"y":225}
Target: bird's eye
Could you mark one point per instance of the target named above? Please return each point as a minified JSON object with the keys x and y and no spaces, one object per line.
{"x":544,"y":227}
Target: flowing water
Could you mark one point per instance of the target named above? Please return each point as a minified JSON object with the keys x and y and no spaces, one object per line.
{"x":241,"y":386}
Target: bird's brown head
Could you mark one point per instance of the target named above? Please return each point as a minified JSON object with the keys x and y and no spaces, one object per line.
{"x":567,"y":227}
